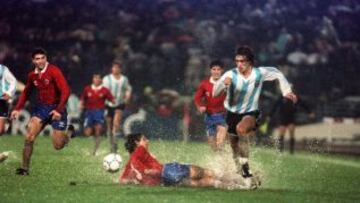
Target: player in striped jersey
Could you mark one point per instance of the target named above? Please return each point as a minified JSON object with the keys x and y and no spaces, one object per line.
{"x":7,"y":91}
{"x":120,"y":88}
{"x":243,"y":86}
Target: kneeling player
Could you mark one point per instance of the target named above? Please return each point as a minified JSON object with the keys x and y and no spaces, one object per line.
{"x":93,"y":100}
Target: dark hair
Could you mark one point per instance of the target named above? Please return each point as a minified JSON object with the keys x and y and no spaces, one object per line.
{"x":117,"y":62}
{"x":216,"y":63}
{"x":38,"y":50}
{"x":247,"y":52}
{"x":130,"y":143}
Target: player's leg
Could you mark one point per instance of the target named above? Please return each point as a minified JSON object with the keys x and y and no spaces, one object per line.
{"x":97,"y":132}
{"x":115,"y":130}
{"x":212,"y":142}
{"x":61,"y":136}
{"x":221,"y":133}
{"x":34,"y":127}
{"x":88,"y":131}
{"x":291,"y":128}
{"x":201,"y":177}
{"x":243,"y":129}
{"x":4,"y":113}
{"x":281,"y":131}
{"x":2,"y":125}
{"x":3,"y":155}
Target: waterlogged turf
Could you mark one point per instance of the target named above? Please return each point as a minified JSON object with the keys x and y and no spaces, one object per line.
{"x":74,"y":175}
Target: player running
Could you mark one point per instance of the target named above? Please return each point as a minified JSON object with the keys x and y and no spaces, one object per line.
{"x":213,"y":107}
{"x":93,"y":100}
{"x":120,"y":88}
{"x":52,"y":94}
{"x":243,"y":86}
{"x":144,"y":169}
{"x":7,"y":91}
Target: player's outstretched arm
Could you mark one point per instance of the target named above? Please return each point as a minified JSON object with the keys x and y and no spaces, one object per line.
{"x":222,"y":84}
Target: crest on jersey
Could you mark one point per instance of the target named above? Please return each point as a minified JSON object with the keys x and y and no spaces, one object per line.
{"x":36,"y":83}
{"x":207,"y":94}
{"x":89,"y":94}
{"x":46,"y":81}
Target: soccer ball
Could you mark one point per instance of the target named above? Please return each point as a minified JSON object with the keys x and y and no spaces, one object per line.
{"x":112,"y":162}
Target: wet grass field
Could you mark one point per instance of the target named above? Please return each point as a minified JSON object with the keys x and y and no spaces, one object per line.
{"x":74,"y":175}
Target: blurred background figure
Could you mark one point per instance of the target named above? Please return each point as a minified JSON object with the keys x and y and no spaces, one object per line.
{"x":93,"y":101}
{"x":286,"y":112}
{"x":120,"y":88}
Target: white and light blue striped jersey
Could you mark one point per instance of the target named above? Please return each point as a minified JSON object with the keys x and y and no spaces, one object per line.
{"x":243,"y":93}
{"x":119,"y":88}
{"x":7,"y":82}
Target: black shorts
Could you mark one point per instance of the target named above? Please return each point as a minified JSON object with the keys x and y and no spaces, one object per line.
{"x":110,"y":111}
{"x":286,"y":120}
{"x":4,"y":108}
{"x":232,"y":119}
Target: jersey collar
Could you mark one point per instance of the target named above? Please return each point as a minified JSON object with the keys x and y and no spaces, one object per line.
{"x":43,"y":70}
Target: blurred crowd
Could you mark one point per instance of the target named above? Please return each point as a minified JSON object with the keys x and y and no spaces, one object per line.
{"x":169,"y":44}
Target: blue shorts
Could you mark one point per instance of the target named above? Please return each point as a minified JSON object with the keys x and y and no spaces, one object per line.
{"x":174,"y":173}
{"x":93,"y":117}
{"x":212,"y":121}
{"x":42,"y":111}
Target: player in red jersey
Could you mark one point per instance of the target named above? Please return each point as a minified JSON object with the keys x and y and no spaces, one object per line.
{"x":213,"y":107}
{"x":93,"y":100}
{"x":52,"y":94}
{"x":144,"y":169}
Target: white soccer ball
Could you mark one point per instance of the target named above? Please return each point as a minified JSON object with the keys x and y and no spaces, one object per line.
{"x":112,"y":162}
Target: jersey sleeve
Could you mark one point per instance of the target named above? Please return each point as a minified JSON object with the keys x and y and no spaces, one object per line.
{"x":108,"y":94}
{"x":219,"y":85}
{"x":106,"y":82}
{"x":271,"y":73}
{"x":199,"y":94}
{"x":83,"y":95}
{"x":11,"y":81}
{"x":64,"y":88}
{"x":128,"y":88}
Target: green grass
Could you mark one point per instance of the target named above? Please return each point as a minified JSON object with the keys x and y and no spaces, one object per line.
{"x":302,"y":177}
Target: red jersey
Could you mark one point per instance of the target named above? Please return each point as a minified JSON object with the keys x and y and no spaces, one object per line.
{"x":203,"y":97}
{"x":94,"y":97}
{"x":140,"y":160}
{"x":51,"y":87}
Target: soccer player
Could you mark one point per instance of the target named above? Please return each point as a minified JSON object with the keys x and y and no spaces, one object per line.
{"x":52,"y":94}
{"x":93,"y":100}
{"x":243,"y":86}
{"x":7,"y":91}
{"x":120,"y":88}
{"x":143,"y":168}
{"x":213,"y":107}
{"x":286,"y":119}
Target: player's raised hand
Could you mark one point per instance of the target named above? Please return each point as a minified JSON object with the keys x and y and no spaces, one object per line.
{"x":14,"y":115}
{"x":55,"y":115}
{"x":292,"y":97}
{"x":227,"y":81}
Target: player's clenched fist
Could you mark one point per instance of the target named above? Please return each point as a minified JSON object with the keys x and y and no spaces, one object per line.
{"x":227,"y":81}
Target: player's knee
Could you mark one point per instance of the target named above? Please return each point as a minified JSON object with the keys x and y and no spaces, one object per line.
{"x":240,"y":130}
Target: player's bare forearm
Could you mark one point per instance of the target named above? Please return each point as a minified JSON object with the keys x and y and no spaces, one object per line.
{"x":292,"y":97}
